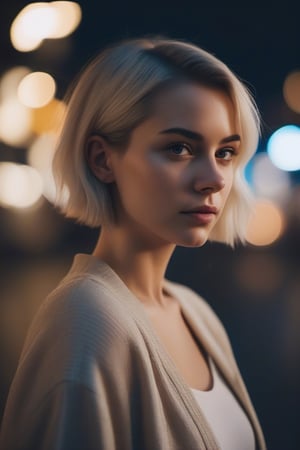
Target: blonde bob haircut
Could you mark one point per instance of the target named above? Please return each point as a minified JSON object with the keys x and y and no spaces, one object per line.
{"x":113,"y":95}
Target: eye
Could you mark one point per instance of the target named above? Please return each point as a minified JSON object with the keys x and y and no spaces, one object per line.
{"x":179,"y":149}
{"x":226,"y":153}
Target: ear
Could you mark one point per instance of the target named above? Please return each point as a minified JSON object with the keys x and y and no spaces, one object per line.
{"x":98,"y":158}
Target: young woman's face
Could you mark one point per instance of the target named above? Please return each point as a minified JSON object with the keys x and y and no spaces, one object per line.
{"x":173,"y":180}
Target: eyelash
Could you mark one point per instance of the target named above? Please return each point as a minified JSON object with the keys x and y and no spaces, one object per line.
{"x":231,"y":150}
{"x":175,"y":145}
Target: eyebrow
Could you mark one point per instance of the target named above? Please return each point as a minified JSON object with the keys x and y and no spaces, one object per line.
{"x":197,"y":136}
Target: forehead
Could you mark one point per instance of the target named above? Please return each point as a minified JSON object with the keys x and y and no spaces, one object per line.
{"x":194,"y":106}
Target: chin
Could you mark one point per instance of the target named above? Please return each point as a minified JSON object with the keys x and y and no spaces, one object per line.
{"x":193,"y":240}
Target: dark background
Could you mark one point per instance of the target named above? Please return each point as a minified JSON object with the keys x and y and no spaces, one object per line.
{"x":254,"y":290}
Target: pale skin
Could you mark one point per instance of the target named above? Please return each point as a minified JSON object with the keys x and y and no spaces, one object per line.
{"x":164,"y":173}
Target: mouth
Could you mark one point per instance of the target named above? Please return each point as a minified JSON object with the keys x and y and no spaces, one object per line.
{"x":202,"y":215}
{"x":205,"y":209}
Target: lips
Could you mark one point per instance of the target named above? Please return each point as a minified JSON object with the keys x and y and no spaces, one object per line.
{"x":205,"y":209}
{"x":201,"y":215}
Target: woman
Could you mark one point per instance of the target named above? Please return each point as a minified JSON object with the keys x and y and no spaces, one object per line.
{"x":152,"y":149}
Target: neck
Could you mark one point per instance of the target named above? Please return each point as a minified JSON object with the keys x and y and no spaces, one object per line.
{"x":141,"y":267}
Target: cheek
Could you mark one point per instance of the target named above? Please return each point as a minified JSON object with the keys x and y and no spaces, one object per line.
{"x":229,"y":177}
{"x":146,"y":185}
{"x":228,"y":189}
{"x":154,"y":176}
{"x":165,"y":175}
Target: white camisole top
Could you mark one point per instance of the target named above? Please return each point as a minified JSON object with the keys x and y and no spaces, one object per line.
{"x":222,"y":411}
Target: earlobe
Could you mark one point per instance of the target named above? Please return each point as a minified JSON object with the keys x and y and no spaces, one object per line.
{"x":98,"y":158}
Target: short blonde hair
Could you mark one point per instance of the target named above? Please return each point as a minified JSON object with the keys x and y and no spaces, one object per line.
{"x":111,"y":97}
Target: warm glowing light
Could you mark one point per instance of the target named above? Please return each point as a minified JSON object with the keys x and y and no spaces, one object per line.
{"x":41,"y":20}
{"x":33,"y":24}
{"x":268,"y":180}
{"x":291,"y":91}
{"x":15,"y":123}
{"x":266,"y":225}
{"x":40,"y":157}
{"x":49,"y":118}
{"x":20,"y":186}
{"x":10,"y":81}
{"x":284,"y":148}
{"x":259,"y":273}
{"x":36,"y":89}
{"x":68,"y":17}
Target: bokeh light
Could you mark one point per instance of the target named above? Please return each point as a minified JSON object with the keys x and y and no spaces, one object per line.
{"x":20,"y":185}
{"x":284,"y":148}
{"x":36,"y":89}
{"x":269,"y":181}
{"x":15,"y":123}
{"x":68,"y":17}
{"x":41,"y":20}
{"x":33,"y":24}
{"x":10,"y":81}
{"x":259,"y":273}
{"x":266,"y":224}
{"x":291,"y":91}
{"x":48,"y":118}
{"x":40,"y":155}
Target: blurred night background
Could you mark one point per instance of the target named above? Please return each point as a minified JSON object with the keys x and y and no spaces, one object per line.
{"x":255,"y":289}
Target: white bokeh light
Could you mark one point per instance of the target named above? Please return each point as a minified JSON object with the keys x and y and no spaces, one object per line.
{"x":268,"y":180}
{"x":42,"y":20}
{"x":68,"y":17}
{"x":10,"y":80}
{"x":284,"y":148}
{"x":36,"y":89}
{"x":33,"y":24}
{"x":40,"y":157}
{"x":15,"y":123}
{"x":21,"y":186}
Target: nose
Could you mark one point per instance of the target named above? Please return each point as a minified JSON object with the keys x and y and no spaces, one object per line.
{"x":208,"y":178}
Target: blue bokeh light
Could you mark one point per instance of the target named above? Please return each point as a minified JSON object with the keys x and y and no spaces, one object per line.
{"x":283,"y":148}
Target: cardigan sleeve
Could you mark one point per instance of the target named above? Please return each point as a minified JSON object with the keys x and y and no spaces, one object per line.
{"x":70,"y":390}
{"x":71,"y":416}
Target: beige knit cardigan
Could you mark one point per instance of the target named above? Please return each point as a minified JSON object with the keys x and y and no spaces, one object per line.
{"x":93,"y":375}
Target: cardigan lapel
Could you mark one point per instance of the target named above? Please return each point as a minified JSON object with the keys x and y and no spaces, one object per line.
{"x":228,"y":369}
{"x":203,"y":334}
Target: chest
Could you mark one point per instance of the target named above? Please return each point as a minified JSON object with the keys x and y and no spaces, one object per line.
{"x":183,"y":348}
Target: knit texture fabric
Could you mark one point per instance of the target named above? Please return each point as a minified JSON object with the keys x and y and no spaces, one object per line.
{"x":93,"y":374}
